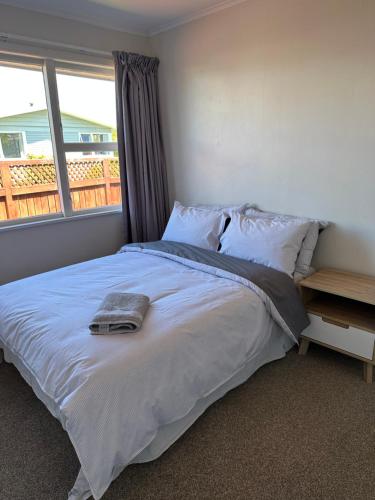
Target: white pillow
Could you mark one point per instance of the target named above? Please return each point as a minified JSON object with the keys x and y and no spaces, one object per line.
{"x":273,"y":243}
{"x":195,"y":226}
{"x":303,"y":267}
{"x":228,"y":210}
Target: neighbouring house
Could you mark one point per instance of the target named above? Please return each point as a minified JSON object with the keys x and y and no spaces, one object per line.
{"x":27,"y":135}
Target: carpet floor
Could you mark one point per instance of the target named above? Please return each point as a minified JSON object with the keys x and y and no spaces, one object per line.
{"x":299,"y":428}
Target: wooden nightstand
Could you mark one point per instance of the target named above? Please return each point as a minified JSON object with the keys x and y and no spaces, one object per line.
{"x":341,"y":308}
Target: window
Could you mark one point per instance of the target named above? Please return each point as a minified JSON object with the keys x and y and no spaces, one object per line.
{"x":28,"y":179}
{"x":11,"y":145}
{"x":85,"y":138}
{"x":91,"y":155}
{"x":58,"y":147}
{"x":94,"y":137}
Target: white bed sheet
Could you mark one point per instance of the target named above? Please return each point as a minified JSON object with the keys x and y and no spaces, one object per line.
{"x":114,"y":394}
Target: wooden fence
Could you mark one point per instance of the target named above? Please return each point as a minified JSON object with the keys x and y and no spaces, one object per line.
{"x":28,"y":187}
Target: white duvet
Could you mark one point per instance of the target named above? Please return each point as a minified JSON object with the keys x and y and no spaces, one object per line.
{"x":113,"y":393}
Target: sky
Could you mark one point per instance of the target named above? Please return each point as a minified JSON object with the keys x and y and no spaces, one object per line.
{"x":23,"y":90}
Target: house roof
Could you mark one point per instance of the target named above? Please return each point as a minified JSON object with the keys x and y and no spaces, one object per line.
{"x":37,"y":109}
{"x":22,"y":110}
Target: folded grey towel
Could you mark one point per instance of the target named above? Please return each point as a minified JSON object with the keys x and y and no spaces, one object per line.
{"x":120,"y":313}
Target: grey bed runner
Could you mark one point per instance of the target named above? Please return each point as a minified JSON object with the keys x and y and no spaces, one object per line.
{"x":278,"y":286}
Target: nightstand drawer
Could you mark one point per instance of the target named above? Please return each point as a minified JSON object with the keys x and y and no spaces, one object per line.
{"x":352,"y":340}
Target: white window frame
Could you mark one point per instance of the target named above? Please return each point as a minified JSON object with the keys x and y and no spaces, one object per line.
{"x":49,"y":68}
{"x":24,"y":144}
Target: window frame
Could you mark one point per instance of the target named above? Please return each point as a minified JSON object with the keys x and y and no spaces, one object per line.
{"x":50,"y":67}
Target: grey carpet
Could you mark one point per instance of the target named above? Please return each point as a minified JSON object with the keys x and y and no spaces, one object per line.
{"x":300,"y":428}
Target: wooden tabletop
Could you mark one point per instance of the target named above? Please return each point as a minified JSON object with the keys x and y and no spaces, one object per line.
{"x":345,"y":284}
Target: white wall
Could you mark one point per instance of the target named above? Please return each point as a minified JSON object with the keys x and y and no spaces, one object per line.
{"x":33,"y":250}
{"x":273,"y":102}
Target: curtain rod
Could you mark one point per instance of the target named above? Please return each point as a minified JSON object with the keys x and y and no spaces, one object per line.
{"x":40,"y":43}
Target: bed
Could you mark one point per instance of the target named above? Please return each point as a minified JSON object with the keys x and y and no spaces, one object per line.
{"x":124,"y":399}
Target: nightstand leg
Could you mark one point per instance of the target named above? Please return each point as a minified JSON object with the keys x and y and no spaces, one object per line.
{"x":367,"y":372}
{"x":303,"y":347}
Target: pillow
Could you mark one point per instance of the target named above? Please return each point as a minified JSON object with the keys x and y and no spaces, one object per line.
{"x":226,"y":209}
{"x":303,"y":268}
{"x":272,"y":242}
{"x":195,"y":226}
{"x":298,"y":276}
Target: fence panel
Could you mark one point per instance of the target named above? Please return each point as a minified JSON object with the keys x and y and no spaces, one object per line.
{"x":28,"y":187}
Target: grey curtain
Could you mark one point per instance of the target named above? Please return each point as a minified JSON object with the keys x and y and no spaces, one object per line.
{"x":141,"y":155}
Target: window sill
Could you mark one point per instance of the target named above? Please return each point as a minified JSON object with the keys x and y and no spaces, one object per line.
{"x":57,"y":219}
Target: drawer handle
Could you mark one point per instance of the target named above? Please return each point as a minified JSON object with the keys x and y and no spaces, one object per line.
{"x":336,"y":323}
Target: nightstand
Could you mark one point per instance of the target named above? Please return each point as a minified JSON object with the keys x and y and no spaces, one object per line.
{"x":341,"y":308}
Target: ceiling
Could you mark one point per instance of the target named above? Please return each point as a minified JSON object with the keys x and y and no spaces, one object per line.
{"x":146,"y":17}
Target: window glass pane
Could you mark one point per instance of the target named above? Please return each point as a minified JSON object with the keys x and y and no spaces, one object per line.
{"x":88,"y":108}
{"x":28,"y":185}
{"x":88,"y":115}
{"x":101,"y":137}
{"x":12,"y":144}
{"x":94,"y":179}
{"x":85,"y":138}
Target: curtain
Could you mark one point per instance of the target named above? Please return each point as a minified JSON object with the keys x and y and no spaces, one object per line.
{"x":141,"y":154}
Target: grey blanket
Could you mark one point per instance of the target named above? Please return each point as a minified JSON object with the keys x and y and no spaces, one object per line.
{"x":120,"y":313}
{"x":278,"y":286}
